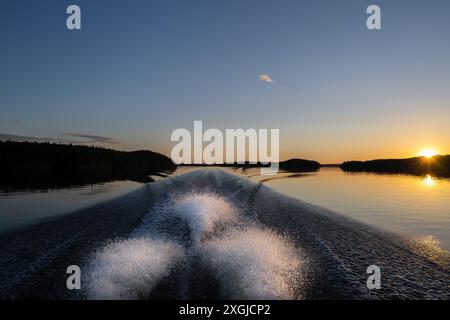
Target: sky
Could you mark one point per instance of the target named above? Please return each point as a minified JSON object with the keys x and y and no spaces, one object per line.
{"x":139,"y":69}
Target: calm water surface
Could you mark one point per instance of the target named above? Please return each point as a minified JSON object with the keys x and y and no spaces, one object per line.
{"x":407,"y":204}
{"x":21,"y":208}
{"x":418,"y":206}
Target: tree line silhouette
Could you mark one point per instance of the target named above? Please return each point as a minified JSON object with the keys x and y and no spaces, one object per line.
{"x":44,"y":165}
{"x":39,"y":165}
{"x":438,"y":166}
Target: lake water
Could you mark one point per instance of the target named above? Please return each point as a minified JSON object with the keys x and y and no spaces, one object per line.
{"x":418,"y":206}
{"x":21,"y":208}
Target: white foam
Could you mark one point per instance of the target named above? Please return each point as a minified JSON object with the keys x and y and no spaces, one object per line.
{"x":130,"y":269}
{"x":203,"y":213}
{"x":248,"y":261}
{"x":254,"y":264}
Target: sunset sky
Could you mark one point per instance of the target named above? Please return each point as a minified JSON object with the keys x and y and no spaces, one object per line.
{"x":140,"y":69}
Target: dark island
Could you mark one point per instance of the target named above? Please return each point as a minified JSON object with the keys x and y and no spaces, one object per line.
{"x":300,"y":165}
{"x":438,"y":166}
{"x":32,"y":165}
{"x":294,"y":165}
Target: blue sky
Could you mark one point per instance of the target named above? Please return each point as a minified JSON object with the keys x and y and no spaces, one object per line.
{"x":139,"y":69}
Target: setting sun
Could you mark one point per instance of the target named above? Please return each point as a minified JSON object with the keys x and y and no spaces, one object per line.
{"x":428,"y":153}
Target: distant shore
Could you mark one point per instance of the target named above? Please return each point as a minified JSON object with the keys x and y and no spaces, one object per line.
{"x":295,"y":165}
{"x":438,"y":166}
{"x":44,"y":165}
{"x":32,"y":165}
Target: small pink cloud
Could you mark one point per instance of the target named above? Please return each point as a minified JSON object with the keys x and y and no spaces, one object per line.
{"x":265,"y":78}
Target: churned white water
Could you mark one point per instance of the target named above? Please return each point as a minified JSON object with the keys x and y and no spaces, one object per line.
{"x":254,"y":264}
{"x":247,"y":260}
{"x":130,"y":269}
{"x":203,"y":213}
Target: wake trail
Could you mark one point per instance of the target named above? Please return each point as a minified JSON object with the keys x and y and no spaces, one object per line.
{"x":209,"y":234}
{"x":247,"y":260}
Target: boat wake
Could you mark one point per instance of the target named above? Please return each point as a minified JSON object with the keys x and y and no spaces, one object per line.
{"x":195,"y":233}
{"x":209,"y":234}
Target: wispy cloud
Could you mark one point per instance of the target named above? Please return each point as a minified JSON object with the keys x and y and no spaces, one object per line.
{"x":89,"y":138}
{"x":19,"y":138}
{"x":265,"y":78}
{"x":81,"y":138}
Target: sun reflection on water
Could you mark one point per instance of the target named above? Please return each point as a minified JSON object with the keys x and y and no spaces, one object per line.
{"x":429,"y":181}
